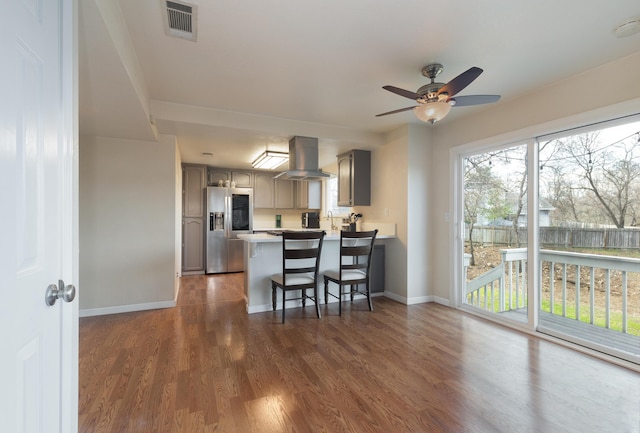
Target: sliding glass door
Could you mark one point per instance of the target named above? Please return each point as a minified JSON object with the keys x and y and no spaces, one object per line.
{"x":571,"y":267}
{"x":589,"y":247}
{"x":495,"y":232}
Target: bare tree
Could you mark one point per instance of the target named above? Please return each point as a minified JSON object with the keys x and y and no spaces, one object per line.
{"x":567,"y":201}
{"x":480,"y":187}
{"x":515,"y":182}
{"x":610,"y":174}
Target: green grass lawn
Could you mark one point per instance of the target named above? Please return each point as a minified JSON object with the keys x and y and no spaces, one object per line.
{"x":599,"y":317}
{"x":615,"y":319}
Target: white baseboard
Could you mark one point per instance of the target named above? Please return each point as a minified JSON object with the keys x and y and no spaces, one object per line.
{"x":420,"y":300}
{"x":298,"y":304}
{"x":126,"y":308}
{"x":397,"y":298}
{"x":259,"y":308}
{"x":409,"y":301}
{"x":441,"y":301}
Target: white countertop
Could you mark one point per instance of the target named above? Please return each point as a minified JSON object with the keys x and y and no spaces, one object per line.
{"x":330,"y":236}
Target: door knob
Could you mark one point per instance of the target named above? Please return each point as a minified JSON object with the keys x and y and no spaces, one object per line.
{"x":53,"y":293}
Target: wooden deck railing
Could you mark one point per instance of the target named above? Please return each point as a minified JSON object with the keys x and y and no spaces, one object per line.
{"x":504,"y":288}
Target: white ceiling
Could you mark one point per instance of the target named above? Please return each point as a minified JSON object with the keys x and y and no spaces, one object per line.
{"x":263,"y":71}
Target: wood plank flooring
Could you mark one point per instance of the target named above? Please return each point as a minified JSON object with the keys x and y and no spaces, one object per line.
{"x":207,"y":366}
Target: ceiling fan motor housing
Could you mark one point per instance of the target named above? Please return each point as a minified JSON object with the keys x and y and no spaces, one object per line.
{"x":432,"y":71}
{"x":430,"y":91}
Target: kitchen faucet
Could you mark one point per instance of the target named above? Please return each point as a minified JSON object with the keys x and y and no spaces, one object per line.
{"x":330,"y":216}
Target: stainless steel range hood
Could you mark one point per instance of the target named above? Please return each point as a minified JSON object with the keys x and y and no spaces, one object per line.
{"x":303,"y":160}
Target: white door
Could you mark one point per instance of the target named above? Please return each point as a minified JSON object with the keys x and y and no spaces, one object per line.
{"x":38,"y":216}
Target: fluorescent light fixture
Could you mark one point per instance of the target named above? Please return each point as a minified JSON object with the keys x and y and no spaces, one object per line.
{"x":270,"y":160}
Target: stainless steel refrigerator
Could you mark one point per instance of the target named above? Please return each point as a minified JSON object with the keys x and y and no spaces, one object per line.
{"x":230,"y":213}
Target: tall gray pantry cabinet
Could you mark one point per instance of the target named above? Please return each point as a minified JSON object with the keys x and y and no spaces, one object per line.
{"x":194,"y":181}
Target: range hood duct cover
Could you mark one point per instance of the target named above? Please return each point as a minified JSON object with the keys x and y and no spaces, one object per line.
{"x":303,"y":160}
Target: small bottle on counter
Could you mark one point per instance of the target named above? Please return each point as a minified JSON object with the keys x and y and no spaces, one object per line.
{"x":278,"y":221}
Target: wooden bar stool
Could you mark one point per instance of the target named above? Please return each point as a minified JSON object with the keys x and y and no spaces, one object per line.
{"x":355,"y":266}
{"x":300,"y":263}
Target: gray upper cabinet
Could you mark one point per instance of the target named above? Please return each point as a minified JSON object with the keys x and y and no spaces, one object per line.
{"x":309,"y":194}
{"x":354,"y":178}
{"x":193,"y":184}
{"x":216,"y":175}
{"x":269,"y":193}
{"x":285,"y":197}
{"x":263,"y":191}
{"x":243,"y":179}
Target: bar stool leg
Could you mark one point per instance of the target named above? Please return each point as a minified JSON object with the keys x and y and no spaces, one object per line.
{"x":326,"y":291}
{"x":273,"y":296}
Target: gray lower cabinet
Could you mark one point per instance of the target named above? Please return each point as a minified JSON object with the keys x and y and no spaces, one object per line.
{"x":192,"y":245}
{"x":377,"y":269}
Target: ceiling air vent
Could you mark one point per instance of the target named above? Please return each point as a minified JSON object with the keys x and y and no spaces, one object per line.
{"x":180,"y":19}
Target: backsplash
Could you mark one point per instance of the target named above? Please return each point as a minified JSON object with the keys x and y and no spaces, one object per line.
{"x":266,"y":218}
{"x":291,"y":219}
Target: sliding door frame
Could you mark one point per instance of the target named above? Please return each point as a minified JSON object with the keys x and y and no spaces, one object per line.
{"x":610,"y":115}
{"x":457,"y":157}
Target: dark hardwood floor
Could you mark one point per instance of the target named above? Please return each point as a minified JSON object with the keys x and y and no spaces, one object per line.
{"x":207,"y":366}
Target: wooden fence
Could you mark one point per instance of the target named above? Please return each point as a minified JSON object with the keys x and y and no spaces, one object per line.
{"x":559,"y":237}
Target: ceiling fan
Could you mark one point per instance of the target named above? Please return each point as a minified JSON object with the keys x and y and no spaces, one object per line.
{"x":436,"y":99}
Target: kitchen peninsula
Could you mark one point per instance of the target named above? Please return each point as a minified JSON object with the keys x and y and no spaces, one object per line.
{"x":263,"y":258}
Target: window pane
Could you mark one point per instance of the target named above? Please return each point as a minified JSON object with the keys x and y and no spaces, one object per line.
{"x":590,"y":241}
{"x":495,"y":215}
{"x":332,"y":198}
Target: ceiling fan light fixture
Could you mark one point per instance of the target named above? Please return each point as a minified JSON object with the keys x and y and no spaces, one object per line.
{"x":270,"y":160}
{"x":432,"y":111}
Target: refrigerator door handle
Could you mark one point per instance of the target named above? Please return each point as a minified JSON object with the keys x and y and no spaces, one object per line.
{"x":227,"y":223}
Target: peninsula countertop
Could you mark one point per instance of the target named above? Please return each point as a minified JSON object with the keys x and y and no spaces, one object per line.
{"x":331,"y":235}
{"x":263,"y":258}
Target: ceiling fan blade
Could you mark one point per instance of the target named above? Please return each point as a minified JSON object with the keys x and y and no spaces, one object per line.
{"x":463,"y":101}
{"x":406,"y":93}
{"x":461,"y":81}
{"x":396,"y":111}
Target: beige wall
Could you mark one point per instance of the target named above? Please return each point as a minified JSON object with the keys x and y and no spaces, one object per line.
{"x":127,"y":224}
{"x":389,"y":204}
{"x":420,"y":224}
{"x":603,"y":93}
